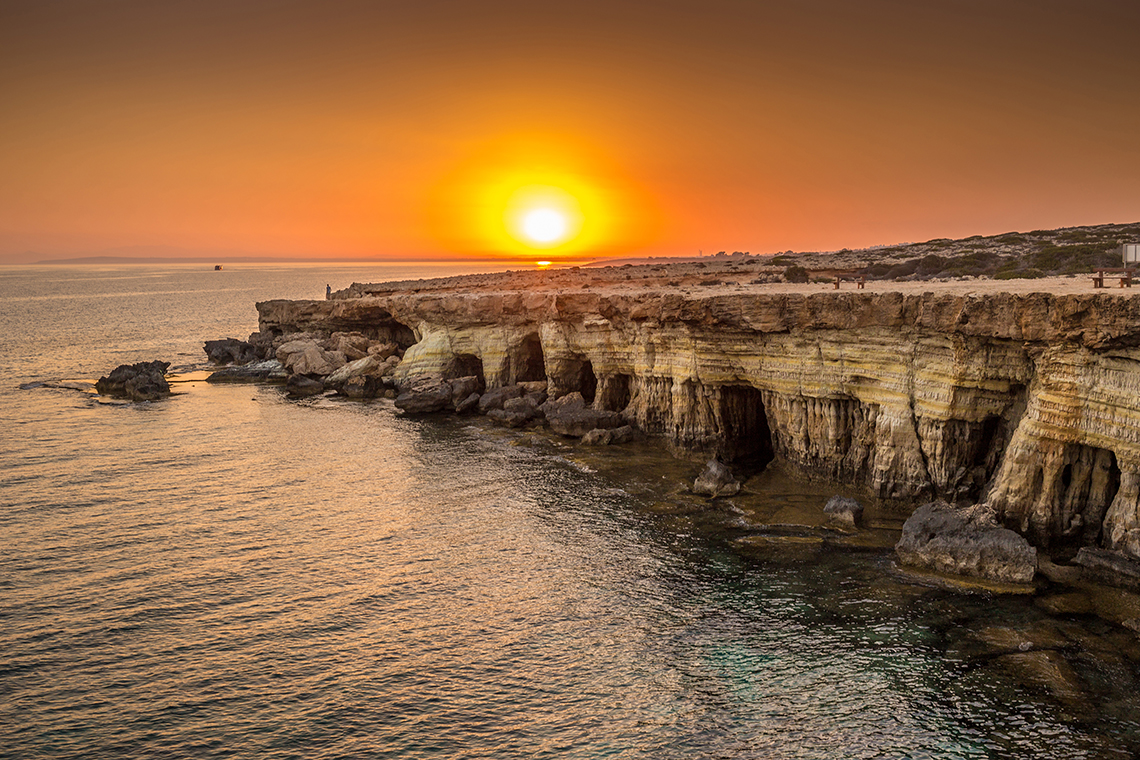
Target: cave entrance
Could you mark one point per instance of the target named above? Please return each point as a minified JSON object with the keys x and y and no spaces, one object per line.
{"x":465,"y":365}
{"x":614,"y":394}
{"x":746,"y":439}
{"x":529,"y":363}
{"x":576,"y":375}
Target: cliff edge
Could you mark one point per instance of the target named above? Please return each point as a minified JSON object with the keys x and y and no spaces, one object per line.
{"x":1029,"y":401}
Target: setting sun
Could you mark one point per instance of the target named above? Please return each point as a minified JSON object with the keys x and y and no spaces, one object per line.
{"x":544,"y":225}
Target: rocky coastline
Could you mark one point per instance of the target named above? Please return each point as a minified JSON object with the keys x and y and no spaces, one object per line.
{"x":1019,"y":405}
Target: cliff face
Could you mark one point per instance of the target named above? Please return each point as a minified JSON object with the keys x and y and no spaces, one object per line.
{"x":1029,"y":401}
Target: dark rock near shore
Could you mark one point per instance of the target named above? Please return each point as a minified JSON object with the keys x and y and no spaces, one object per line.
{"x":844,"y":512}
{"x":249,"y":373}
{"x":424,"y":396}
{"x":968,"y":541}
{"x":716,"y":480}
{"x":231,"y":351}
{"x":496,"y":397}
{"x":300,"y":386}
{"x":1110,"y":567}
{"x":144,"y":381}
{"x":604,"y":437}
{"x":571,"y":416}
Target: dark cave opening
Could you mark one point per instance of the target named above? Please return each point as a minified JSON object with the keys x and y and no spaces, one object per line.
{"x":616,"y":392}
{"x":466,"y":365}
{"x":746,"y":439}
{"x":529,"y":362}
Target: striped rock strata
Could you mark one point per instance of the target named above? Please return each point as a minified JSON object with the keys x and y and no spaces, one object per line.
{"x":1031,"y":402}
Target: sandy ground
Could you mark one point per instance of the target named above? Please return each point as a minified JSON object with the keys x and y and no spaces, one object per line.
{"x":720,"y":278}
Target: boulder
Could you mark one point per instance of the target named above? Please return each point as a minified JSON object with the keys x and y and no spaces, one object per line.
{"x":966,"y":541}
{"x":248,"y":373}
{"x":468,"y":404}
{"x":844,"y":512}
{"x":462,"y":388}
{"x":361,"y":387}
{"x":300,"y":386}
{"x":496,"y":397}
{"x":231,"y":351}
{"x":306,"y":357}
{"x":425,"y":395}
{"x":385,"y":350}
{"x":144,"y":381}
{"x":1108,"y":566}
{"x":571,"y":416}
{"x":604,"y":437}
{"x":367,"y":365}
{"x":353,"y":345}
{"x":716,"y":480}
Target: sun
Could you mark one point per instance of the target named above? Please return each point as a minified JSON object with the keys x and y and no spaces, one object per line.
{"x":543,"y":217}
{"x":544,"y":225}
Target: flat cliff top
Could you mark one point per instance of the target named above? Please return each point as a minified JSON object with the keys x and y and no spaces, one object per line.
{"x":715,"y":277}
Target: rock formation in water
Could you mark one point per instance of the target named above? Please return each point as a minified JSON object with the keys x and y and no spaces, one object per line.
{"x":1028,"y":402}
{"x":144,"y":381}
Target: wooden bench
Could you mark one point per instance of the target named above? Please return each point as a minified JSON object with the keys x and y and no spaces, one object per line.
{"x":859,"y":281}
{"x":1124,"y":273}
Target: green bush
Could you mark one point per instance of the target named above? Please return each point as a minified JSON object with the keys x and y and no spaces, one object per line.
{"x":796,"y":274}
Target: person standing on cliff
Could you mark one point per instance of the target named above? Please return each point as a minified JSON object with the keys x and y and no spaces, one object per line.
{"x":328,"y":292}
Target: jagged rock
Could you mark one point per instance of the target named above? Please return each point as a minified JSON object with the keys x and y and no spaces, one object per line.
{"x":844,"y":512}
{"x":306,"y":357}
{"x":353,"y":345}
{"x":716,"y":480}
{"x":248,"y":373}
{"x":361,"y":387}
{"x":604,"y":437}
{"x":367,"y":365}
{"x":571,"y":416}
{"x":1109,"y":566}
{"x":967,"y":541}
{"x":384,"y":351}
{"x":462,"y":388}
{"x":231,"y":351}
{"x":144,"y":381}
{"x":516,"y":412}
{"x":300,"y":386}
{"x":496,"y":397}
{"x":468,"y":404}
{"x":425,"y":395}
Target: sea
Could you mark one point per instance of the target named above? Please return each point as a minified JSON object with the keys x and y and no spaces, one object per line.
{"x":228,"y":573}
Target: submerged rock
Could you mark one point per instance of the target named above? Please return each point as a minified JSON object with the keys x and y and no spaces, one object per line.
{"x":607,"y":437}
{"x":716,"y":480}
{"x":967,"y":541}
{"x":144,"y":381}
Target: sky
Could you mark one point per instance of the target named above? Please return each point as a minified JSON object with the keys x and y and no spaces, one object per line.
{"x":431,"y":129}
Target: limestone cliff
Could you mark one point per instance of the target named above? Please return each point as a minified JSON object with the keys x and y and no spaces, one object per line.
{"x":1029,"y":401}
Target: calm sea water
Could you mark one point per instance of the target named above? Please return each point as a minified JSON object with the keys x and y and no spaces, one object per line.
{"x":228,"y":573}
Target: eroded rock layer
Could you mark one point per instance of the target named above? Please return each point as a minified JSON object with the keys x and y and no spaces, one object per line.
{"x":1028,"y":401}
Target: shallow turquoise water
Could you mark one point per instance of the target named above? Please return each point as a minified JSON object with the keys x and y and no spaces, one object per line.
{"x":228,"y":573}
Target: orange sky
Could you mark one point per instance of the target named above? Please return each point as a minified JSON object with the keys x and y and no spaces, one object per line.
{"x":398,"y":129}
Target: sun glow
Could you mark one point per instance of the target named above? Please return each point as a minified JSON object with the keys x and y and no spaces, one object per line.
{"x":523,"y":199}
{"x":544,"y":225}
